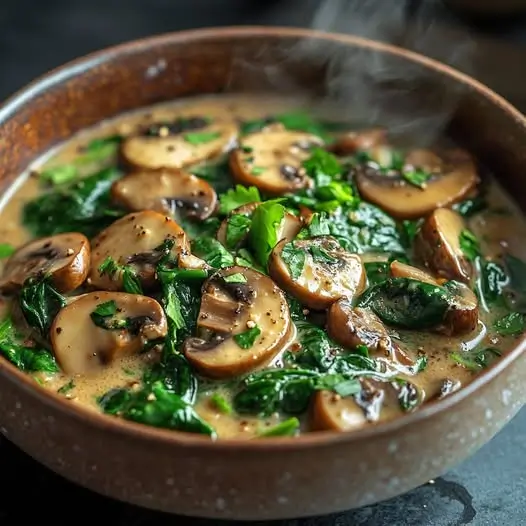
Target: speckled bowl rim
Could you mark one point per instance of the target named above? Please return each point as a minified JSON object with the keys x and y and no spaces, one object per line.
{"x":125,"y":428}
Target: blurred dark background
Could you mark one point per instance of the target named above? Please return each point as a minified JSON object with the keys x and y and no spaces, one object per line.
{"x":37,"y":35}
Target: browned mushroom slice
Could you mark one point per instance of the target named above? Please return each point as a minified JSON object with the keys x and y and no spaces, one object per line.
{"x":101,"y":327}
{"x":170,"y":146}
{"x":454,"y":180}
{"x":317,"y":271}
{"x":358,"y":141}
{"x":133,"y":240}
{"x":437,"y":245}
{"x":243,"y":323}
{"x":167,"y":191}
{"x":463,"y":314}
{"x":232,"y":236}
{"x":397,"y":269}
{"x":65,"y":257}
{"x":353,"y":327}
{"x":272,"y":161}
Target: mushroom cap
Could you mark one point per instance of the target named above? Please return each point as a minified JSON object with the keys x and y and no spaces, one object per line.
{"x":65,"y":257}
{"x":132,"y":240}
{"x":166,"y":191}
{"x":400,"y":199}
{"x":177,"y":150}
{"x":358,"y":141}
{"x":321,"y":281}
{"x":397,"y":269}
{"x":289,"y":228}
{"x":80,"y":346}
{"x":272,"y":160}
{"x":463,"y":316}
{"x":437,"y":245}
{"x":228,"y":309}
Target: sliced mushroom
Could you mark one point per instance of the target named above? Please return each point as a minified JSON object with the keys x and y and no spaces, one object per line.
{"x":237,"y":300}
{"x":166,"y":191}
{"x":352,"y":327}
{"x":455,"y":179}
{"x":178,"y":144}
{"x":65,"y":257}
{"x":359,"y":141}
{"x":82,"y":346}
{"x":437,"y":245}
{"x":327,"y":274}
{"x":397,"y":269}
{"x":133,"y":240}
{"x":272,"y":161}
{"x":289,"y":228}
{"x":463,"y":314}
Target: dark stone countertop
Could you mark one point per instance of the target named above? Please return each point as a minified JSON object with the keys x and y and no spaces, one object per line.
{"x":486,"y":490}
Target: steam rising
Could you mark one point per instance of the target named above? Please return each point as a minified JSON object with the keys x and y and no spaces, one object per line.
{"x":365,"y":88}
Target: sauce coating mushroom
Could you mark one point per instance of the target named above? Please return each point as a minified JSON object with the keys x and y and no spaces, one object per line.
{"x":133,"y":240}
{"x":169,"y":192}
{"x":243,"y":323}
{"x":100,"y":327}
{"x":272,"y":161}
{"x":328,"y":271}
{"x":65,"y":257}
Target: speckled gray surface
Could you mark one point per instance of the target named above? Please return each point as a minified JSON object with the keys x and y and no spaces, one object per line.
{"x":487,"y":489}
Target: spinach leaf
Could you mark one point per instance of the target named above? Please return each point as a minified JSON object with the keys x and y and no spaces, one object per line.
{"x":289,"y":427}
{"x":154,"y":405}
{"x":263,"y":235}
{"x":469,"y":245}
{"x":193,"y":228}
{"x":40,"y":303}
{"x":217,"y":174}
{"x":377,"y":271}
{"x":470,"y":207}
{"x":236,"y":197}
{"x":66,"y":388}
{"x":104,"y":316}
{"x":416,"y":177}
{"x":212,"y":251}
{"x":196,"y":138}
{"x":322,"y":166}
{"x":408,"y":394}
{"x":130,"y":280}
{"x":407,"y":303}
{"x":318,"y":226}
{"x":294,"y":257}
{"x":221,"y":403}
{"x":517,"y":282}
{"x":28,"y":359}
{"x":247,"y":339}
{"x":237,"y":229}
{"x":6,"y":250}
{"x":82,"y":207}
{"x":476,"y":359}
{"x":492,"y":280}
{"x":511,"y":325}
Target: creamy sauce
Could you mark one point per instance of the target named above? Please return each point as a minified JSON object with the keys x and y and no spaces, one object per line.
{"x":496,"y":230}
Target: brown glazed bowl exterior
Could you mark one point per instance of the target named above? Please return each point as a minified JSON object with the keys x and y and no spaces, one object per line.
{"x":273,"y":478}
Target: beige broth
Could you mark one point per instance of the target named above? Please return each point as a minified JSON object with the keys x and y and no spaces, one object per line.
{"x":496,"y":230}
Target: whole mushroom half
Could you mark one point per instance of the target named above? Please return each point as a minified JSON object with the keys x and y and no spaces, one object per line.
{"x":232,"y":236}
{"x":243,"y":323}
{"x":135,"y":240}
{"x":167,"y":191}
{"x":451,"y":179}
{"x":177,"y":144}
{"x":437,"y":245}
{"x":317,"y":271}
{"x":272,"y":160}
{"x":100,"y":327}
{"x":64,"y":257}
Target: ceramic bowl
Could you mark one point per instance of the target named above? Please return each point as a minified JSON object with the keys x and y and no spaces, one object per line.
{"x":274,"y":478}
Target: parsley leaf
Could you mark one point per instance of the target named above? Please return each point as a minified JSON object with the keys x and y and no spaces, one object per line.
{"x":104,"y":316}
{"x":6,"y":250}
{"x":416,"y":177}
{"x":263,"y":235}
{"x":247,"y":339}
{"x":196,"y":138}
{"x":469,"y":244}
{"x":221,"y":403}
{"x":294,"y":258}
{"x":237,"y":228}
{"x":212,"y":251}
{"x":236,"y":197}
{"x":130,"y":281}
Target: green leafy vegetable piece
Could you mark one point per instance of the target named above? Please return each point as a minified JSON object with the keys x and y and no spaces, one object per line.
{"x":6,"y":250}
{"x":235,"y":278}
{"x":289,"y":427}
{"x":40,"y":303}
{"x":237,"y":229}
{"x":470,"y":207}
{"x":408,"y":395}
{"x":320,"y":255}
{"x":322,"y":166}
{"x":407,"y":303}
{"x":82,"y":207}
{"x":294,"y":257}
{"x":340,"y":385}
{"x":247,"y":339}
{"x":66,"y":388}
{"x":221,"y":403}
{"x":212,"y":251}
{"x":512,"y":324}
{"x":236,"y":197}
{"x":469,"y":244}
{"x":28,"y":359}
{"x":104,"y":316}
{"x":476,"y":359}
{"x":493,"y":280}
{"x":258,"y":170}
{"x":217,"y":174}
{"x":377,"y":271}
{"x":130,"y":280}
{"x":196,"y":138}
{"x":263,"y":235}
{"x":61,"y":174}
{"x":193,"y":228}
{"x":516,"y":269}
{"x":318,"y":226}
{"x":416,"y":177}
